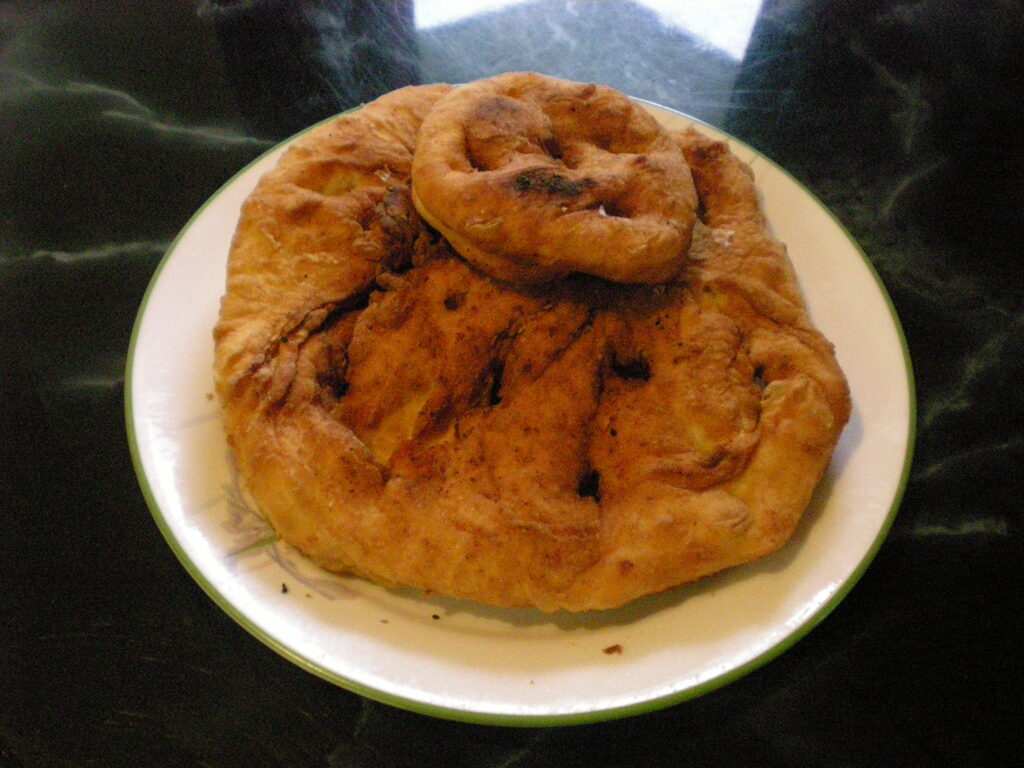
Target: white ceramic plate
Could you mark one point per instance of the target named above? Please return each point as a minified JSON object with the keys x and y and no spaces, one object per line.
{"x":459,"y":660}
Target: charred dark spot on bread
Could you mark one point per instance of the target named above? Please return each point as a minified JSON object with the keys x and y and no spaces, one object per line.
{"x":589,"y":485}
{"x":632,"y":369}
{"x":549,"y":182}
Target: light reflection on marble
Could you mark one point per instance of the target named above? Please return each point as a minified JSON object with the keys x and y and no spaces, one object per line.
{"x":588,"y":41}
{"x":722,"y":25}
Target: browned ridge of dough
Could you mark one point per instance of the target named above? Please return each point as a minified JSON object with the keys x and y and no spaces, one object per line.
{"x":532,"y":178}
{"x":400,"y":415}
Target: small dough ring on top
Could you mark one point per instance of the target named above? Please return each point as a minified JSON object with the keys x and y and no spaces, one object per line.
{"x":531,"y":178}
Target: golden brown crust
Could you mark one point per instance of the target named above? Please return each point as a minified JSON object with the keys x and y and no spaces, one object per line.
{"x":531,"y":178}
{"x":402,"y":416}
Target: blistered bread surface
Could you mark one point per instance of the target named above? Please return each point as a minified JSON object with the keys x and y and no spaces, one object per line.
{"x":575,"y":442}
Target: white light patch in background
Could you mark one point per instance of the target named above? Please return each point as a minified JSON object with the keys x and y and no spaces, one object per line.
{"x":723,"y":24}
{"x":437,"y":13}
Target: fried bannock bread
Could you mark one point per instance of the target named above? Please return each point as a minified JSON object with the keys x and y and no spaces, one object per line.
{"x":401,"y":415}
{"x":531,"y":178}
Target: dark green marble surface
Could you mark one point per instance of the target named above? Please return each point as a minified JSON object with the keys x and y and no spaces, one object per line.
{"x":118,"y":119}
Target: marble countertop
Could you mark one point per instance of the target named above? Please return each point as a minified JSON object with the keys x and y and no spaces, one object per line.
{"x":117,"y":122}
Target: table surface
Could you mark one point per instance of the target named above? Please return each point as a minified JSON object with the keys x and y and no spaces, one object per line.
{"x":118,"y":120}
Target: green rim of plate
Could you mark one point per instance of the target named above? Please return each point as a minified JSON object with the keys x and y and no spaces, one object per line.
{"x":486,"y":718}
